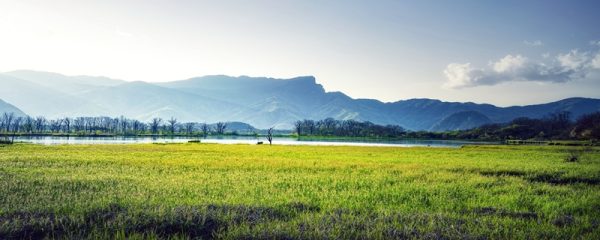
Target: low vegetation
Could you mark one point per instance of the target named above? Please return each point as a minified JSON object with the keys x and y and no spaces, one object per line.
{"x":298,"y":192}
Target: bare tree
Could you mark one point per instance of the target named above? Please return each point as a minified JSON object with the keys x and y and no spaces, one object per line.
{"x":123,"y":124}
{"x":67,"y":124}
{"x":154,"y":125}
{"x":298,"y":127}
{"x":221,"y":127}
{"x":205,"y":129}
{"x":55,"y":125}
{"x":89,"y":124}
{"x":136,"y":126}
{"x":310,"y":126}
{"x":39,"y":124}
{"x":112,"y":124}
{"x":164,"y":128}
{"x":17,"y":123}
{"x":327,"y":125}
{"x":189,"y":128}
{"x":8,"y":118}
{"x":270,"y":136}
{"x":79,"y":124}
{"x":172,"y":123}
{"x":1,"y":124}
{"x":28,"y":124}
{"x":16,"y":127}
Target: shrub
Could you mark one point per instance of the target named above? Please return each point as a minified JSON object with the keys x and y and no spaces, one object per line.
{"x":573,"y":156}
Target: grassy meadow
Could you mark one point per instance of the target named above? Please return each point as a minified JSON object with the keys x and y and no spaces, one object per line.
{"x":298,"y":192}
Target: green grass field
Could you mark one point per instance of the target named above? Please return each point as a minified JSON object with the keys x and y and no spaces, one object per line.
{"x":297,"y":192}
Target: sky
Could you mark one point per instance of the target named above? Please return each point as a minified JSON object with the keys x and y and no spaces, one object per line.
{"x":499,"y":52}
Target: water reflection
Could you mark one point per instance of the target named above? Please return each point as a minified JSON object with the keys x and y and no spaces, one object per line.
{"x":51,"y":140}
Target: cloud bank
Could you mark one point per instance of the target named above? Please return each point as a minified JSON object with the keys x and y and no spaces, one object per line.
{"x":565,"y":67}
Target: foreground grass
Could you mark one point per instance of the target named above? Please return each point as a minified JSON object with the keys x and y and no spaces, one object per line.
{"x":289,"y":192}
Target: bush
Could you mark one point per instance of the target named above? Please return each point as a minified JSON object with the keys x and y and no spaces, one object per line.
{"x":573,"y":156}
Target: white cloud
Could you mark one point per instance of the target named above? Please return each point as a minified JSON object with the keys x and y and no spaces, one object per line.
{"x":509,"y":63}
{"x":595,"y":42}
{"x":459,"y":75}
{"x":535,"y":43}
{"x":561,"y":68}
{"x":574,"y":59}
{"x":596,"y":61}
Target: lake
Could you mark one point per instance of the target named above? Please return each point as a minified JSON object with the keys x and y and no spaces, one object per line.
{"x":52,"y":140}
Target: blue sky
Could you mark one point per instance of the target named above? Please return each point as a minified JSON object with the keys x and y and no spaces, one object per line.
{"x":500,"y":52}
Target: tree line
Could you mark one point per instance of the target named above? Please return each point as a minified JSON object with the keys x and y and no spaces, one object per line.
{"x":552,"y":127}
{"x":556,"y":126}
{"x":345,"y":128}
{"x":12,"y":124}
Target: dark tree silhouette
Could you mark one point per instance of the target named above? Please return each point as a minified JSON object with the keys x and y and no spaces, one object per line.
{"x":40,"y":123}
{"x":154,"y":125}
{"x":16,"y":127}
{"x":137,"y":126}
{"x":55,"y":125}
{"x":123,"y":123}
{"x":7,"y":119}
{"x":298,"y":127}
{"x":587,"y":127}
{"x":346,"y":128}
{"x":270,"y":136}
{"x":204,"y":129}
{"x":172,"y":123}
{"x":221,"y":127}
{"x":67,"y":124}
{"x":28,"y":124}
{"x":189,"y":128}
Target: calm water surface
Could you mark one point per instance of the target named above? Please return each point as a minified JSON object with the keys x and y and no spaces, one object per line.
{"x":52,"y":140}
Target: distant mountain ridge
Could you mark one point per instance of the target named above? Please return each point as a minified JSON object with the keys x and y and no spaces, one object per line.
{"x":9,"y":108}
{"x":461,"y":120}
{"x":259,"y":101}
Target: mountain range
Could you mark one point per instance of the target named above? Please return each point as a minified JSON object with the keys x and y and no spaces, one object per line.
{"x":9,"y":108}
{"x":259,"y":101}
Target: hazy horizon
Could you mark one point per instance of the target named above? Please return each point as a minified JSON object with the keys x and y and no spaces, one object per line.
{"x":502,"y":53}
